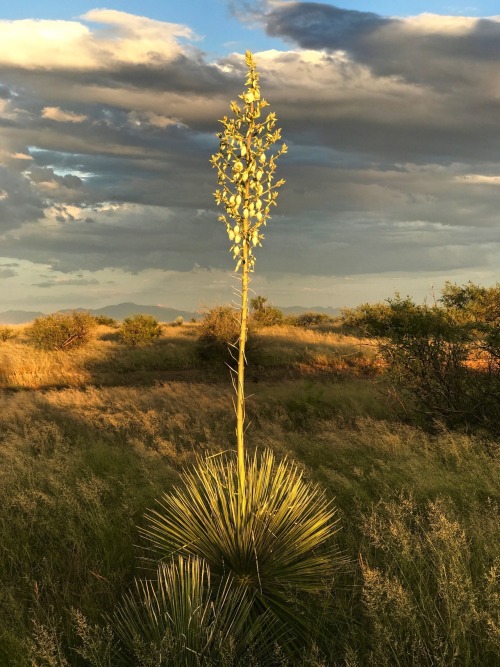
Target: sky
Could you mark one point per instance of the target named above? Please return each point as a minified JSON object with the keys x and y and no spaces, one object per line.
{"x":108,"y":119}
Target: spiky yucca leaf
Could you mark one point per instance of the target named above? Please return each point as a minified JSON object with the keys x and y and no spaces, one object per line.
{"x":179,"y":620}
{"x":273,"y":542}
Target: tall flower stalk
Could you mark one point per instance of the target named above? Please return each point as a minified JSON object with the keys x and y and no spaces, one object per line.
{"x":247,"y":191}
{"x":237,"y":539}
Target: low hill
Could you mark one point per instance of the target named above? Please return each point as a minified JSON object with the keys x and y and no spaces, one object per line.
{"x":18,"y":316}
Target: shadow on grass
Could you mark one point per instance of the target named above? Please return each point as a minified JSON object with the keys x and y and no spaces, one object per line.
{"x":275,"y":356}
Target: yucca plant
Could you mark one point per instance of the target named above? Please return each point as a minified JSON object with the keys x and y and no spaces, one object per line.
{"x":251,"y":519}
{"x":278,"y":545}
{"x":179,"y":619}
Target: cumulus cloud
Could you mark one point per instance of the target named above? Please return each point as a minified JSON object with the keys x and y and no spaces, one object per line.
{"x":72,"y":45}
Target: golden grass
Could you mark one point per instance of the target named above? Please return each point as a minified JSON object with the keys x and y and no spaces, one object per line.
{"x":80,"y":465}
{"x":105,"y":361}
{"x":315,"y":351}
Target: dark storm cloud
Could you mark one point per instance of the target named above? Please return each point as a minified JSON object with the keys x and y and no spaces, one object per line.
{"x":45,"y":175}
{"x":427,"y":49}
{"x":315,"y":25}
{"x":183,"y":75}
{"x":19,"y":201}
{"x":131,"y":237}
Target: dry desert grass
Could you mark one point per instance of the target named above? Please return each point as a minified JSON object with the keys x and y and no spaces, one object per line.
{"x":106,"y":361}
{"x":90,"y":438}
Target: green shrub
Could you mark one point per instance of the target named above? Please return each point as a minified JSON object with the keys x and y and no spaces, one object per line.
{"x":106,"y":321}
{"x":263,"y":314}
{"x":6,"y":333}
{"x":481,"y":304}
{"x":61,"y":331}
{"x":219,"y":332}
{"x":140,"y":330}
{"x":445,"y":359}
{"x":268,"y":317}
{"x":309,"y":319}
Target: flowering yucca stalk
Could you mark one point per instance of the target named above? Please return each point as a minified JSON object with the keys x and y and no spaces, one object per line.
{"x":245,"y":174}
{"x":254,"y":520}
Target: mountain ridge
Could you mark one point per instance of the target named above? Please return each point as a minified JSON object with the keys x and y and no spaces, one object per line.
{"x":120,"y":311}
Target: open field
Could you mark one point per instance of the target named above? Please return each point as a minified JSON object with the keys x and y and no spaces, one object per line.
{"x":105,"y":361}
{"x":91,"y":437}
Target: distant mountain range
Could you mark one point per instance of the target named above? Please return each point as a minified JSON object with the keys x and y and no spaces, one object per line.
{"x":18,"y":316}
{"x":117,"y":311}
{"x":122,"y":310}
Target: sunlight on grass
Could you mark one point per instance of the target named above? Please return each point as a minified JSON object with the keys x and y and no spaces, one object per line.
{"x":79,"y":466}
{"x":106,"y":361}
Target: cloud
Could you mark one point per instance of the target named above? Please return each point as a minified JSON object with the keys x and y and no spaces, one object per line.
{"x":316,"y":25}
{"x":54,"y":113}
{"x":71,"y":45}
{"x":7,"y":273}
{"x":131,"y":237}
{"x":58,"y":282}
{"x":431,"y":49}
{"x":392,"y":163}
{"x":481,"y":179}
{"x":20,"y":202}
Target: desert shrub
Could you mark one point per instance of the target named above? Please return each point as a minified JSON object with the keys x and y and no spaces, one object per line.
{"x":219,"y":332}
{"x":263,"y":314}
{"x":178,"y":322}
{"x":6,"y":333}
{"x":445,"y":359}
{"x":309,"y":319}
{"x":258,"y":303}
{"x":106,"y":321}
{"x":140,"y":330}
{"x":481,"y":304}
{"x":478,"y":308}
{"x":268,"y":317}
{"x":370,"y":319}
{"x":61,"y":331}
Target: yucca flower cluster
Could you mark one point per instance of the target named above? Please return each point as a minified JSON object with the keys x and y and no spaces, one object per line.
{"x":246,"y":169}
{"x":245,"y":173}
